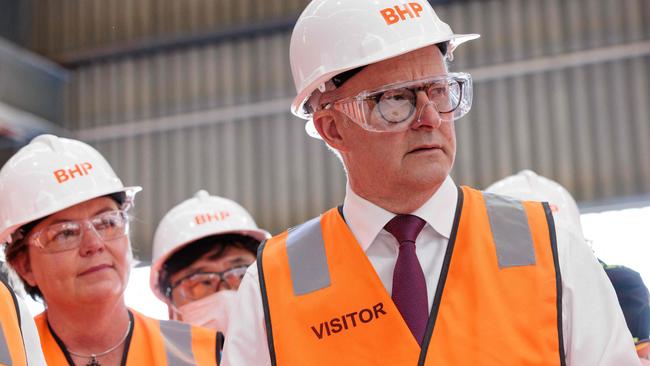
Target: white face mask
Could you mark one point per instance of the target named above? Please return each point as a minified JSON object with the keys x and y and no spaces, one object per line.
{"x":212,"y":311}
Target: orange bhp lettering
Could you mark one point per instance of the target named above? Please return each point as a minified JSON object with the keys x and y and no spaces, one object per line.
{"x":86,"y":167}
{"x":76,"y":170}
{"x":199,"y":219}
{"x":209,"y":217}
{"x":397,"y":12}
{"x":389,"y":16}
{"x":417,"y":8}
{"x":403,"y":12}
{"x":60,"y":176}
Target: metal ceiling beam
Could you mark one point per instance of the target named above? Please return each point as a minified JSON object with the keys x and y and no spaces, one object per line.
{"x":31,"y":93}
{"x":21,"y":126}
{"x":75,"y":59}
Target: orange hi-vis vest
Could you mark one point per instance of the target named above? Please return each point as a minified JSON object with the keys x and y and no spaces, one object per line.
{"x":498,"y":300}
{"x":12,"y":349}
{"x":150,"y":342}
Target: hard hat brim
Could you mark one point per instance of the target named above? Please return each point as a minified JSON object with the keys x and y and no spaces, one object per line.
{"x":6,"y":234}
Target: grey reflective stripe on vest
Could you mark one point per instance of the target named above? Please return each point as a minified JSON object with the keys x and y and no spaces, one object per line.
{"x":510,"y":231}
{"x":178,"y":343}
{"x":307,"y":260}
{"x":5,"y":356}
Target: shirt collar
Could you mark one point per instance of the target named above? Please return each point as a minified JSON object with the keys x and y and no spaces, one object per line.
{"x":366,"y":220}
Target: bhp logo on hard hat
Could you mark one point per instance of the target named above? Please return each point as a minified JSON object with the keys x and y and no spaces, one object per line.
{"x":398,"y":13}
{"x":211,"y":217}
{"x":79,"y":170}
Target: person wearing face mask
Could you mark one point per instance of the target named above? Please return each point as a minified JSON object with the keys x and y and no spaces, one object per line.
{"x":201,"y":250}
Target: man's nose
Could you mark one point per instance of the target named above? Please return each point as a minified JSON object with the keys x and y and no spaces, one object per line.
{"x":426,"y":113}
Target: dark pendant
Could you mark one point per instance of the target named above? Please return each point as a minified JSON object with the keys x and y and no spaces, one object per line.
{"x":93,"y":362}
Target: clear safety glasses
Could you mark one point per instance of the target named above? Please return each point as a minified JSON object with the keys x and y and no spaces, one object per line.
{"x":394,"y":107}
{"x":201,"y":284}
{"x":68,"y":235}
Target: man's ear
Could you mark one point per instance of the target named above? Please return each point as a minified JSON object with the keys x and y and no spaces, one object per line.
{"x":23,"y":267}
{"x":329,"y":125}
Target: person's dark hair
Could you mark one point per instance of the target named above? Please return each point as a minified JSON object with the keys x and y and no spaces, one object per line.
{"x":197,"y":249}
{"x":634,"y":298}
{"x":18,"y":246}
{"x":443,"y":47}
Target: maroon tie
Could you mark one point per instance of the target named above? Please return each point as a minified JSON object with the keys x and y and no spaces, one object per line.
{"x":409,"y":285}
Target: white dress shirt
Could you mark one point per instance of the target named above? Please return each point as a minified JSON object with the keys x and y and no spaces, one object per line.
{"x":595,"y":332}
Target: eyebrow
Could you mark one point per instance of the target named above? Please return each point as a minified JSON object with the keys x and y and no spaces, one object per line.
{"x":238,"y":260}
{"x":216,"y":254}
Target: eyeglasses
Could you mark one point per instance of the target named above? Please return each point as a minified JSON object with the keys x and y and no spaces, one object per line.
{"x":392,"y":108}
{"x":68,"y":235}
{"x":201,"y":284}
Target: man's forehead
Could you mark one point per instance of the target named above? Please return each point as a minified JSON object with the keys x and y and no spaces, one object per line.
{"x":83,"y":210}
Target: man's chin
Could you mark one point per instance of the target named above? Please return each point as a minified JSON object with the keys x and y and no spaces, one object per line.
{"x":422,"y":181}
{"x":99,"y":292}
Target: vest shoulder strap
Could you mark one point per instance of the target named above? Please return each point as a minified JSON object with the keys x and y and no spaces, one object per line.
{"x":307,"y":259}
{"x":510,"y":231}
{"x":12,"y":349}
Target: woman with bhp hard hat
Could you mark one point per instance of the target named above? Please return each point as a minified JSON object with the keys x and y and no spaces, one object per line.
{"x":201,"y":250}
{"x":65,"y":212}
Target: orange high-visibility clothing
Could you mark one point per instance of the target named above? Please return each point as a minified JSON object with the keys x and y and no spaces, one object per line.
{"x":150,"y":342}
{"x":498,"y":301}
{"x":12,"y":349}
{"x":643,"y":349}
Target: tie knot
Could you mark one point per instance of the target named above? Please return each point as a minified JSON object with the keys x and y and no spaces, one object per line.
{"x":405,"y":228}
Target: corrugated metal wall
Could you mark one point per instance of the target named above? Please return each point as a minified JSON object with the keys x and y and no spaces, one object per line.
{"x":62,"y":26}
{"x":562,"y":87}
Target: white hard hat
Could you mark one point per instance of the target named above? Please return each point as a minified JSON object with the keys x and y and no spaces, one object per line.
{"x":51,"y":174}
{"x":334,"y":36}
{"x":196,"y":218}
{"x":527,"y":185}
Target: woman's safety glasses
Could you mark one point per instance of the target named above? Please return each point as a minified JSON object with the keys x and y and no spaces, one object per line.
{"x":394,"y":107}
{"x":201,"y":284}
{"x":68,"y":235}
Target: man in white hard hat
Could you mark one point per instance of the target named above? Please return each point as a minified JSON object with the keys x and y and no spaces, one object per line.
{"x":631,"y":292}
{"x":201,"y":250}
{"x":411,"y":270}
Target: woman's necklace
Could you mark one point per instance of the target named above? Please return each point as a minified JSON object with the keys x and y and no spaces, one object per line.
{"x":93,"y":356}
